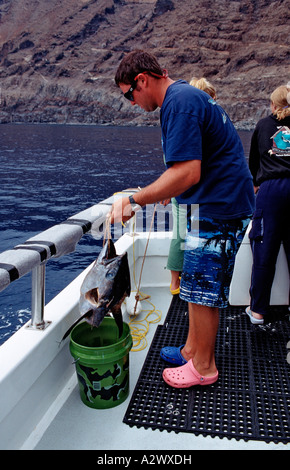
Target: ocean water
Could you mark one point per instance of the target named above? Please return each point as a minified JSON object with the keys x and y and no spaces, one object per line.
{"x":51,"y":172}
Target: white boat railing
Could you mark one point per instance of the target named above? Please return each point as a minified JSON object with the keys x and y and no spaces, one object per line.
{"x":55,"y":242}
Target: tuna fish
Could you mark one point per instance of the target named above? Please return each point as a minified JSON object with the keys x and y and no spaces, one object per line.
{"x":104,"y":288}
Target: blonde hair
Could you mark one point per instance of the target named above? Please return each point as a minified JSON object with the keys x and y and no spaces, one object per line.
{"x":281,"y":101}
{"x":205,"y":85}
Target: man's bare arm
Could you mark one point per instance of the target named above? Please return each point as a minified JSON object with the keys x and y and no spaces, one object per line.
{"x":174,"y":181}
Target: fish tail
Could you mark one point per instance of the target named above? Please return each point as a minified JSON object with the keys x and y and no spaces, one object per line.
{"x":74,"y":324}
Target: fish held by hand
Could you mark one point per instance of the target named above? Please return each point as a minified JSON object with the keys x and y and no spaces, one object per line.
{"x":104,"y":288}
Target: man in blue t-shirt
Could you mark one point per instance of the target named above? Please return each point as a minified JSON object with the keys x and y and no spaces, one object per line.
{"x":207,"y":171}
{"x":194,"y":126}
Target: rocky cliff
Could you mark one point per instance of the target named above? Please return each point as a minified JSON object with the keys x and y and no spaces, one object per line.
{"x":58,"y":58}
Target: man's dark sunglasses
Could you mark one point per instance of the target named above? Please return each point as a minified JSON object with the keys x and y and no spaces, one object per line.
{"x":129,"y":93}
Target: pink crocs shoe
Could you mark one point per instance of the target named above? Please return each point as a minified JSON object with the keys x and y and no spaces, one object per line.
{"x":186,"y":376}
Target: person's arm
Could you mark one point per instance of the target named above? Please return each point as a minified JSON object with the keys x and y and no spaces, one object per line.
{"x":174,"y":181}
{"x":254,"y":158}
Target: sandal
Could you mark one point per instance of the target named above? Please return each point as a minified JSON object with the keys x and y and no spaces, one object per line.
{"x":255,"y":321}
{"x":186,"y":376}
{"x":174,"y":291}
{"x":173,"y":355}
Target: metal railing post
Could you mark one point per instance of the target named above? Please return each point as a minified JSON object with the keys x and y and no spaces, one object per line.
{"x":38,"y":298}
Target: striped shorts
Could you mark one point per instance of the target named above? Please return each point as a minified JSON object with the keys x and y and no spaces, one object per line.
{"x":209,"y":258}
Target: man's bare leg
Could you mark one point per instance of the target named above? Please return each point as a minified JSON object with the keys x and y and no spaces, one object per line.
{"x":200,"y":343}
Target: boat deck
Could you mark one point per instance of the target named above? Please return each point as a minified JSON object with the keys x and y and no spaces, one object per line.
{"x":78,"y":427}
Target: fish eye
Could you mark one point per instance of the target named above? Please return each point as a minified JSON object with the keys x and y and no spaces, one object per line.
{"x":110,"y":274}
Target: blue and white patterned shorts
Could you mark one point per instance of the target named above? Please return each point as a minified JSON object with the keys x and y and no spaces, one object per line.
{"x":209,"y":258}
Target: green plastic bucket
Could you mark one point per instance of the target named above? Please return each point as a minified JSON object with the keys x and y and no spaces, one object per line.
{"x":102,"y":362}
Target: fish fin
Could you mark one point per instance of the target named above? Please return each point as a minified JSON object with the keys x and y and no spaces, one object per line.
{"x":117,"y":314}
{"x":126,"y":274}
{"x":75,"y":323}
{"x":111,"y":250}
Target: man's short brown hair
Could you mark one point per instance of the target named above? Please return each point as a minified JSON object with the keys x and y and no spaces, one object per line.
{"x":134,"y":63}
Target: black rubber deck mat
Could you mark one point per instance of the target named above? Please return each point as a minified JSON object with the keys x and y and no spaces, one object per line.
{"x":251,"y":398}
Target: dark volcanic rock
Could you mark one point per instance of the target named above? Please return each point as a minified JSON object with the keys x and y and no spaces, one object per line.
{"x":58,"y":59}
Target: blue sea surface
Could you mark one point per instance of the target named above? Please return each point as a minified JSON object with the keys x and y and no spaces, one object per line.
{"x":51,"y":172}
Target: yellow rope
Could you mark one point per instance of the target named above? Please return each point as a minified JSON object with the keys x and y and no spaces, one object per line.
{"x":140,"y":328}
{"x":107,"y":233}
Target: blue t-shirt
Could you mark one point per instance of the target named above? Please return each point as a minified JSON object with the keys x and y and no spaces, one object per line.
{"x":195,"y":127}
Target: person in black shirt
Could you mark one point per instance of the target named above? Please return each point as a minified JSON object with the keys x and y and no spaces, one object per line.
{"x":269,"y":163}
